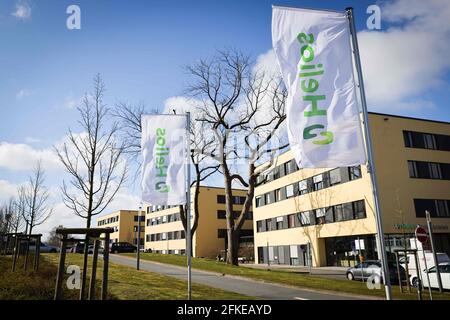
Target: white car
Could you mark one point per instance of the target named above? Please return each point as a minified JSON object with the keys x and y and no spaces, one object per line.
{"x":410,"y":260}
{"x":444,"y":269}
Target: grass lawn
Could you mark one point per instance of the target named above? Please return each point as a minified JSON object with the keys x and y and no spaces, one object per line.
{"x":124,"y":283}
{"x":286,"y":277}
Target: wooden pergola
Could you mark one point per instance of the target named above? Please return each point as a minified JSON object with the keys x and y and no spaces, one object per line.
{"x":89,"y":233}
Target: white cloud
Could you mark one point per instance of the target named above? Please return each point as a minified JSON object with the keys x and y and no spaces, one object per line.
{"x":19,"y":156}
{"x":267,"y":63}
{"x":22,"y":11}
{"x":22,"y":93}
{"x":407,"y":60}
{"x":71,"y":103}
{"x":30,"y":140}
{"x":7,"y":190}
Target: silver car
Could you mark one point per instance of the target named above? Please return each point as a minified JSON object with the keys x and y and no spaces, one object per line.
{"x":368,"y":268}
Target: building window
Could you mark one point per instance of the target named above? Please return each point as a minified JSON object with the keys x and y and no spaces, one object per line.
{"x":289,"y":191}
{"x":303,"y":187}
{"x":428,"y":170}
{"x":335,"y":176}
{"x":317,"y":182}
{"x":320,"y":216}
{"x":269,"y":225}
{"x":329,"y":215}
{"x":338,"y":213}
{"x":278,"y":195}
{"x":291,"y":221}
{"x":304,"y":218}
{"x":429,"y":141}
{"x":258,"y":201}
{"x":426,"y":140}
{"x":221,"y":214}
{"x":354,"y":172}
{"x":279,"y":222}
{"x":437,"y":208}
{"x":359,"y":209}
{"x":268,"y":197}
{"x":347,"y":211}
{"x":220,"y":198}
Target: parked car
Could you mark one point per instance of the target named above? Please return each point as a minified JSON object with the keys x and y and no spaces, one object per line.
{"x":122,"y":247}
{"x":444,"y":269}
{"x":368,"y":268}
{"x":78,"y":248}
{"x":412,"y":268}
{"x":45,"y":248}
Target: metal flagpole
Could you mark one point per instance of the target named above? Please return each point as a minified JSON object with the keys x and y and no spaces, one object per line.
{"x":371,"y":167}
{"x":188,"y":203}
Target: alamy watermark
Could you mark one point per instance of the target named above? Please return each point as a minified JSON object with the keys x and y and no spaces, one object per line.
{"x":73,"y":21}
{"x":74,"y":280}
{"x":374,"y":20}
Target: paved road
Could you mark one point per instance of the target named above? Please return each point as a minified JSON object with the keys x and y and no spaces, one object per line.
{"x":233,"y":284}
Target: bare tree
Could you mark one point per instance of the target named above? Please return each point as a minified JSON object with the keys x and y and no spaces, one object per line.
{"x":93,"y":159}
{"x":35,"y":208}
{"x":238,"y":103}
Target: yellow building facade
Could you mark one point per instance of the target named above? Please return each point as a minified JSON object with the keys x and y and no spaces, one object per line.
{"x":326,"y":216}
{"x":125,"y":225}
{"x":164,"y":232}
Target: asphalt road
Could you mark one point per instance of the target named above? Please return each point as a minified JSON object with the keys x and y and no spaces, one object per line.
{"x":234,"y":284}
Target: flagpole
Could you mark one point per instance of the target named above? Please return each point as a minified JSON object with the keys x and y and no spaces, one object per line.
{"x":188,"y":203}
{"x":371,"y":166}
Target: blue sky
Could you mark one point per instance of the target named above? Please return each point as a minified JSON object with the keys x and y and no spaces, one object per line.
{"x":140,"y":48}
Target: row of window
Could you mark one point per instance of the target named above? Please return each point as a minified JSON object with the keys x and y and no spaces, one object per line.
{"x":423,"y":140}
{"x":336,"y":213}
{"x":315,"y":183}
{"x":140,"y":218}
{"x":164,"y":219}
{"x":154,"y":208}
{"x":171,"y":235}
{"x":107,"y":221}
{"x":236,"y":199}
{"x":277,"y":172}
{"x":295,"y":255}
{"x":429,"y":170}
{"x":437,"y":208}
{"x":221,"y":214}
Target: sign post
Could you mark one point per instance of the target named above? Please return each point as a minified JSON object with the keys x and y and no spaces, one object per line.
{"x":422,"y":236}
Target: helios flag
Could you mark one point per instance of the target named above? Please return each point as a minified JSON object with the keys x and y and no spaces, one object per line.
{"x":314,"y":54}
{"x":164,"y":146}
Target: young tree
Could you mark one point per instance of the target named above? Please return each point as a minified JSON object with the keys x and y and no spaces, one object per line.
{"x":33,"y":199}
{"x":93,"y":159}
{"x":241,"y":107}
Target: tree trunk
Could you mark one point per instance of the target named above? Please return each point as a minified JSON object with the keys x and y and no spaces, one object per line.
{"x":231,"y":241}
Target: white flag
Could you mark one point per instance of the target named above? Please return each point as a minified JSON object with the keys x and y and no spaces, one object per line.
{"x":163,"y":146}
{"x":314,"y":54}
